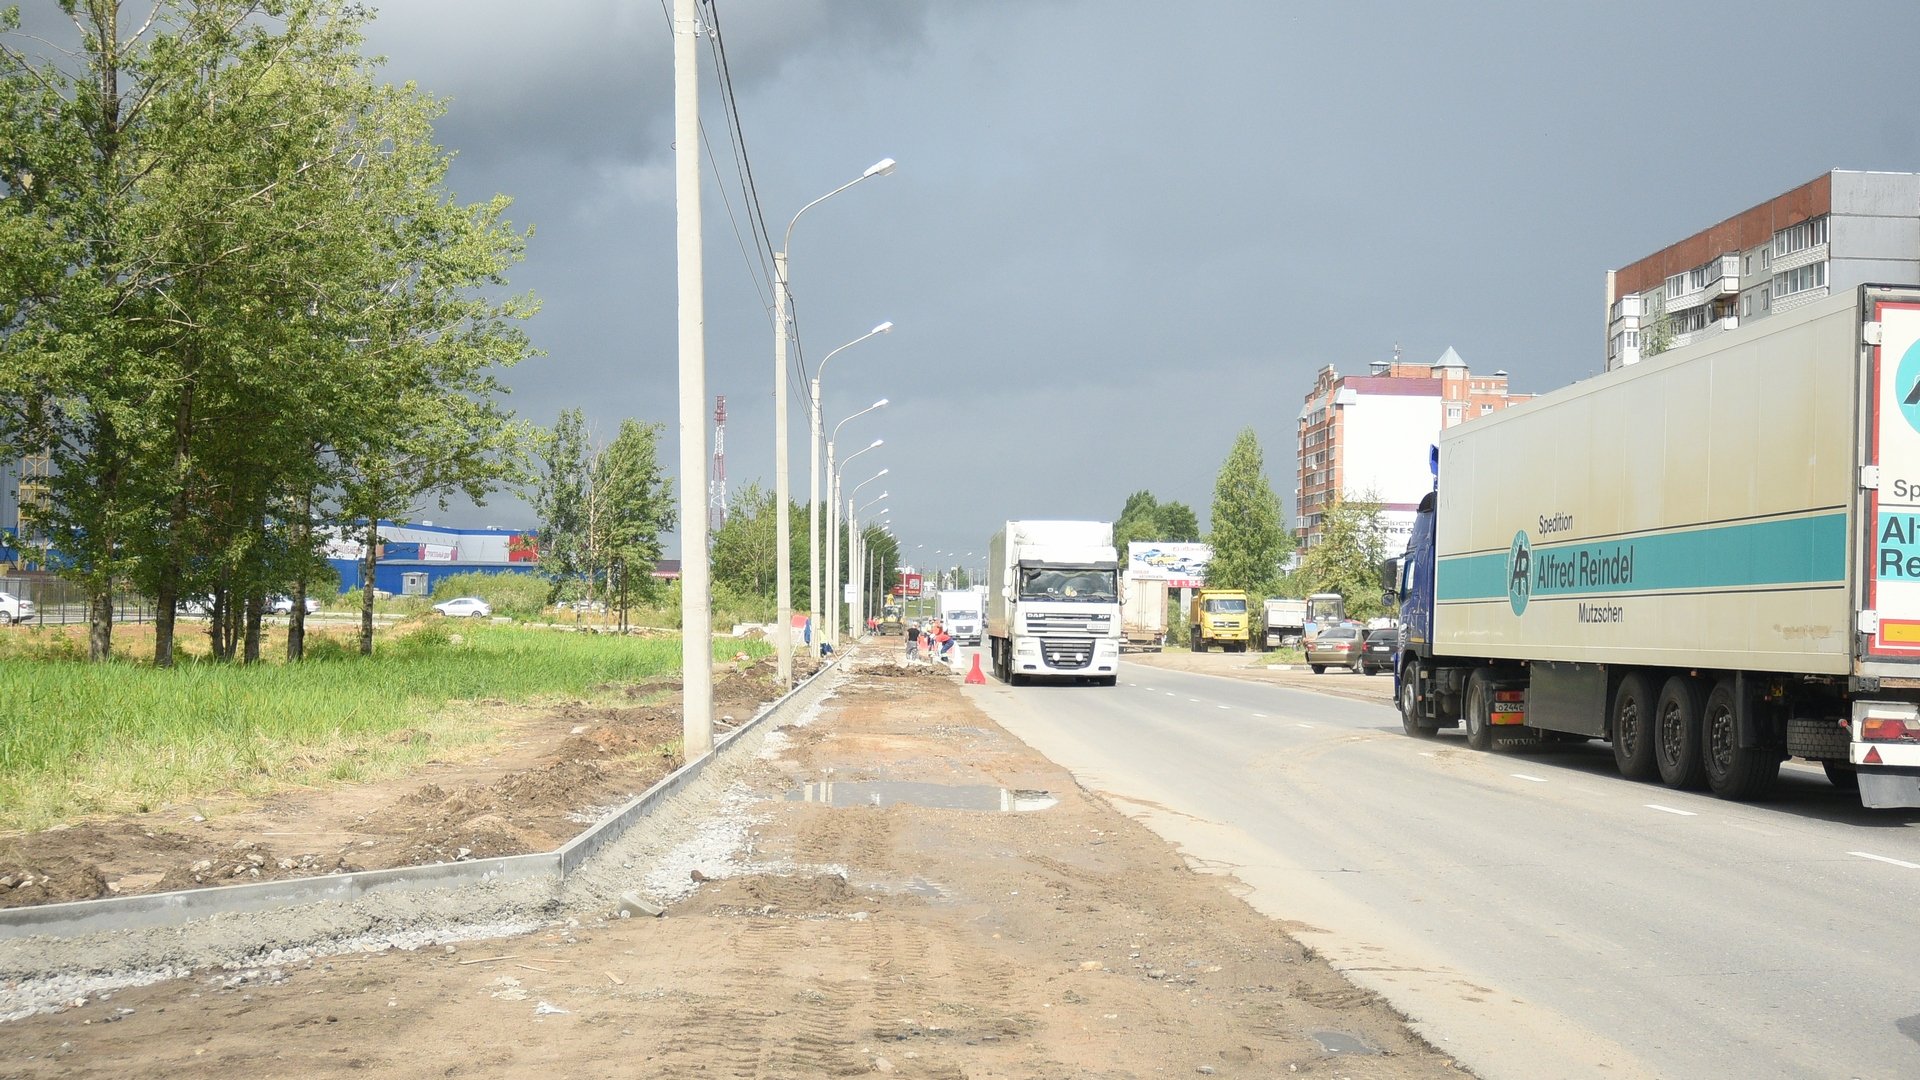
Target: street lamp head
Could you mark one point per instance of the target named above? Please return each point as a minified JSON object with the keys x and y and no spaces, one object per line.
{"x":879,"y":168}
{"x":881,"y":404}
{"x":882,"y":328}
{"x":882,"y":472}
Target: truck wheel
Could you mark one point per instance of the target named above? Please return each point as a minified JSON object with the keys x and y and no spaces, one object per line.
{"x":1842,"y":774}
{"x":1318,"y":669}
{"x":1199,"y":643}
{"x":1633,"y":727}
{"x":1410,"y":718}
{"x":1734,"y":772}
{"x":1479,"y":710}
{"x":1107,"y":680}
{"x":1676,"y":734}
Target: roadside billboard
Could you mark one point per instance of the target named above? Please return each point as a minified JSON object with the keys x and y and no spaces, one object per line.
{"x":1181,"y":565}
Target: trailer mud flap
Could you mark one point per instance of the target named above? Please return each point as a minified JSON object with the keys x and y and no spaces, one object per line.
{"x":1884,"y":790}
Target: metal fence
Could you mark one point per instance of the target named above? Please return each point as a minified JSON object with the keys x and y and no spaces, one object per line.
{"x":58,"y":602}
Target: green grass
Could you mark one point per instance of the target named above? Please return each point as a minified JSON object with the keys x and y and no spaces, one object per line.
{"x":80,"y":739}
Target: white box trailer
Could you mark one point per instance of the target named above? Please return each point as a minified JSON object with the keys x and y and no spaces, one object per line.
{"x":1710,"y":558}
{"x":1143,"y":606}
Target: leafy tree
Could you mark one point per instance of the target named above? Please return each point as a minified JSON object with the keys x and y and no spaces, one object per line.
{"x":562,"y":479}
{"x":1249,"y":532}
{"x":235,"y":301}
{"x":630,"y":506}
{"x":743,"y":549}
{"x":1145,"y":518}
{"x":1347,"y":558}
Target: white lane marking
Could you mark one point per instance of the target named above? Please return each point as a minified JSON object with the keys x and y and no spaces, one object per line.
{"x":1261,"y":715}
{"x":1671,"y":810}
{"x":1148,"y":689}
{"x":1884,"y":859}
{"x":1172,"y":694}
{"x":1194,"y":700}
{"x":1428,"y":753}
{"x":1303,"y":725}
{"x":1223,"y":706}
{"x":1529,"y":779}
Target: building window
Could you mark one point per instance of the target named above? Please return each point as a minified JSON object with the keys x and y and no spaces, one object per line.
{"x":1746,"y":305}
{"x":1807,"y":234}
{"x":1485,"y":409}
{"x":1677,"y":284}
{"x":1633,"y":339}
{"x":1800,"y":279}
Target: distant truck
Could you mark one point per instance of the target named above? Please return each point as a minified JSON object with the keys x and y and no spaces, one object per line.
{"x":1325,"y":609}
{"x":1143,"y":609}
{"x":1219,"y":617}
{"x":960,"y":614}
{"x":1283,"y":622}
{"x":1053,"y":601}
{"x":1710,"y":559}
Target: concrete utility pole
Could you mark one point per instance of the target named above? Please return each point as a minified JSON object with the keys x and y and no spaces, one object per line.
{"x":696,"y":614}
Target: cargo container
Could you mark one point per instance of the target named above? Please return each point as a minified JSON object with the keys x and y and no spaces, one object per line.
{"x":1053,"y":601}
{"x":1710,"y":559}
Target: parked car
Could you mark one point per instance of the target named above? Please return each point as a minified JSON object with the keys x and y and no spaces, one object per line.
{"x":283,"y":605}
{"x":470,"y":607}
{"x":15,"y":609}
{"x":1376,"y":653}
{"x":1336,"y":646}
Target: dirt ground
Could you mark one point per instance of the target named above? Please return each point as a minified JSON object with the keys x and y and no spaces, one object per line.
{"x":918,"y":894}
{"x":552,"y":772}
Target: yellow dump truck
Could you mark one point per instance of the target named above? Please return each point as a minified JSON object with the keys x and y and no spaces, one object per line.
{"x":1219,"y":617}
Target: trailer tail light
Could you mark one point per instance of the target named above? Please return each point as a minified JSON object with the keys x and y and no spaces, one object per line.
{"x":1886,"y":721}
{"x":1887,"y":729}
{"x":1509,"y":707}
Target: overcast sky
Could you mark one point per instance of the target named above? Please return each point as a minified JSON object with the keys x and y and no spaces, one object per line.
{"x":1122,"y":231}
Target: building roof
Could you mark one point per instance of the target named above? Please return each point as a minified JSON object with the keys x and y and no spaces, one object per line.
{"x":1450,"y":359}
{"x":1747,"y":229}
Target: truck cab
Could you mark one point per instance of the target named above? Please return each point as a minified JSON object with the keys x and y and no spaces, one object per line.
{"x":1219,"y":617}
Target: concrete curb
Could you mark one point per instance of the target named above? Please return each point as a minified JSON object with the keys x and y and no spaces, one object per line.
{"x":173,"y":909}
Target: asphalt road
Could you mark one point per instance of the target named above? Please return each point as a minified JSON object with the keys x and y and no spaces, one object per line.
{"x":1534,"y":913}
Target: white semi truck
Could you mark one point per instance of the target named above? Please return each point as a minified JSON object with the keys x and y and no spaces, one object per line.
{"x":1053,"y":601}
{"x":1710,"y":559}
{"x":961,"y":615}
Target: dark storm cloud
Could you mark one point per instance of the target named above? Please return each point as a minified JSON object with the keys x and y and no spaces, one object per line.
{"x":1122,"y":231}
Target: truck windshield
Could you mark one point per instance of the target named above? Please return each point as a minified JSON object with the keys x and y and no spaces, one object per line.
{"x":1045,"y":583}
{"x":1229,"y":607}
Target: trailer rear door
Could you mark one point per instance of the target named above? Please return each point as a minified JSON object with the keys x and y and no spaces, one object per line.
{"x":1892,"y":482}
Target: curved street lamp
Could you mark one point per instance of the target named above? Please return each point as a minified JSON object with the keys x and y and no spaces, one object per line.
{"x":814,"y":566}
{"x":783,"y":529}
{"x":833,"y":523}
{"x":833,"y":527}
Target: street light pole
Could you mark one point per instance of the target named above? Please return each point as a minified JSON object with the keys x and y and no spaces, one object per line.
{"x":859,"y":538}
{"x":783,"y":528}
{"x":696,"y":610}
{"x":833,"y":529}
{"x":814,"y":566}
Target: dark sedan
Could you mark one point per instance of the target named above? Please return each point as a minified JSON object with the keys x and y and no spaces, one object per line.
{"x":1376,"y":653}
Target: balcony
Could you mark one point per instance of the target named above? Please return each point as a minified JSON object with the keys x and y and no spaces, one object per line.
{"x":1718,"y":326}
{"x":1718,"y":278}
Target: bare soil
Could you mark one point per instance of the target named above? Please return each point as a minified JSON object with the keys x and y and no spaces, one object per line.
{"x":548,"y":774}
{"x":906,"y":937}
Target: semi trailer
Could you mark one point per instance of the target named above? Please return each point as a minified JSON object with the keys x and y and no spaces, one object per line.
{"x":1710,"y":559}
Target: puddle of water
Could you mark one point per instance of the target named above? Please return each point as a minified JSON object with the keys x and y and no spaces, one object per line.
{"x":932,"y":796}
{"x":1339,"y":1042}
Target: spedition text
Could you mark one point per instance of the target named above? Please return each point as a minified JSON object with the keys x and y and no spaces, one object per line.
{"x":1587,"y":568}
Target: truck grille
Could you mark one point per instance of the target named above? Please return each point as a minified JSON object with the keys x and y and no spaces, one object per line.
{"x":1061,"y":622}
{"x":1067,"y":652}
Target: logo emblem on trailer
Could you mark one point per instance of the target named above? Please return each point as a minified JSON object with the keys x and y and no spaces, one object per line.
{"x":1519,"y":572}
{"x":1907,"y":384}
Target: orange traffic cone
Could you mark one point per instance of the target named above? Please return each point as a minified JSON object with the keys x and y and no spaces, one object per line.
{"x":975,"y":675}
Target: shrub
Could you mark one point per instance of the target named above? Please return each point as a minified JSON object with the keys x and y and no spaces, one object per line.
{"x":519,"y":596}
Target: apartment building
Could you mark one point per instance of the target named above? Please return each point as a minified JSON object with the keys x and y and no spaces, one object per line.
{"x":1837,"y":231}
{"x":1367,"y":436}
